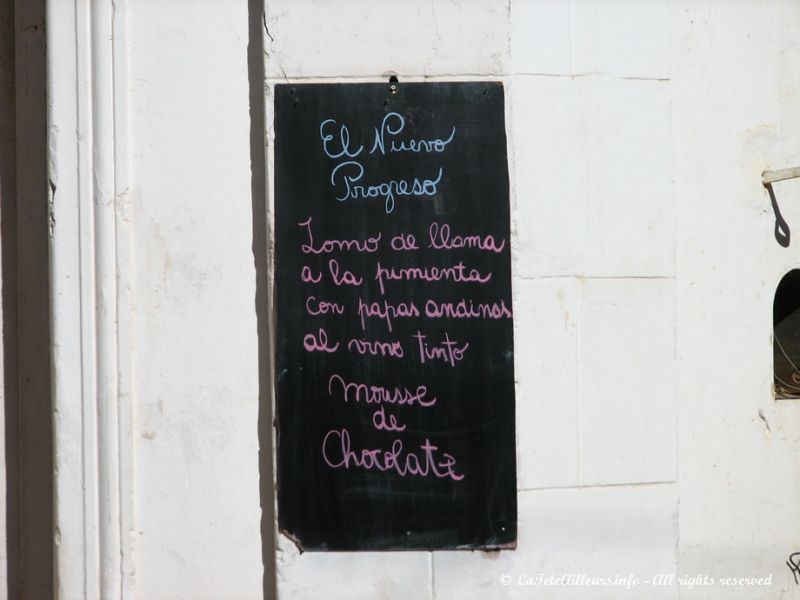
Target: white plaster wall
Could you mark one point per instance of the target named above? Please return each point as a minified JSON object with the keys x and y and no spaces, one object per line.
{"x":591,"y":163}
{"x":644,"y":268}
{"x":195,"y":360}
{"x":737,"y":111}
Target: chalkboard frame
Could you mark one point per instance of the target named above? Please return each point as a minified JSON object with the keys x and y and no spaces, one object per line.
{"x":291,"y":97}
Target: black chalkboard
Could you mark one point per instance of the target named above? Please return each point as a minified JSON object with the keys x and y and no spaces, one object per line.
{"x":394,"y":339}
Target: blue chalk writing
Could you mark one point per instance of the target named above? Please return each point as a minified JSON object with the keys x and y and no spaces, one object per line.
{"x":347,"y":176}
{"x":385,"y":190}
{"x":411,"y":145}
{"x":344,"y":140}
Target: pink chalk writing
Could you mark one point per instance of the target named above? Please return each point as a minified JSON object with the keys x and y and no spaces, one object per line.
{"x":426,"y":459}
{"x":386,"y":311}
{"x":447,"y":351}
{"x":384,"y":422}
{"x":337,"y":453}
{"x":316,"y":307}
{"x":345,"y":278}
{"x":371,"y":244}
{"x":404,"y":241}
{"x":307,"y":276}
{"x":377,"y":394}
{"x":318,"y":342}
{"x":456,"y":273}
{"x":376,"y":348}
{"x":466,"y":309}
{"x":440,"y":238}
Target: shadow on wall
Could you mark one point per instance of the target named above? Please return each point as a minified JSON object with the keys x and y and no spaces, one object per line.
{"x":25,"y":297}
{"x":8,"y":237}
{"x":258,"y":193}
{"x":782,"y":233}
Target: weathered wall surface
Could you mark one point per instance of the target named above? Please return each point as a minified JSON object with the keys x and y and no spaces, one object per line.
{"x":196,"y":364}
{"x":736,"y":96}
{"x":644,"y":267}
{"x":594,"y":206}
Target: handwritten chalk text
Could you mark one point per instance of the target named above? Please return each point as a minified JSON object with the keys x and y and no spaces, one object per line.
{"x":441,"y":239}
{"x":377,"y":394}
{"x":371,"y":244}
{"x":447,"y":351}
{"x":347,"y":175}
{"x":386,"y":311}
{"x":456,"y":273}
{"x":337,"y":453}
{"x":466,"y":309}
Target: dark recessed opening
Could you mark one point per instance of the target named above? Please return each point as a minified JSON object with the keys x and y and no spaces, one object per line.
{"x":786,"y":336}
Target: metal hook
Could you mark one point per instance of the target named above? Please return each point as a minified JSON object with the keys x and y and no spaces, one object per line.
{"x":782,"y":233}
{"x":768,"y":177}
